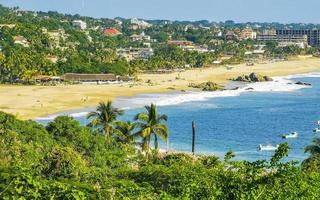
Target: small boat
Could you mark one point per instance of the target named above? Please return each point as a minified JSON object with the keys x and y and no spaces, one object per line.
{"x":268,"y":147}
{"x":290,"y":135}
{"x":316,"y":130}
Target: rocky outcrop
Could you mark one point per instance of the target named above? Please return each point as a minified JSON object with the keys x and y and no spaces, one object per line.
{"x":253,"y":77}
{"x":302,"y":83}
{"x":207,"y":86}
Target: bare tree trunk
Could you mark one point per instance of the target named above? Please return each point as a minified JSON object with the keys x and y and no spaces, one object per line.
{"x":193,"y":136}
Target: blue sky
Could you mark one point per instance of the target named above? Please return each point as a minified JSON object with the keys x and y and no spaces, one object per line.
{"x":285,"y":11}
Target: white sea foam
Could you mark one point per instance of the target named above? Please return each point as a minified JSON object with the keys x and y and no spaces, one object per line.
{"x":280,"y":84}
{"x":46,"y":118}
{"x":307,"y":75}
{"x":52,"y":117}
{"x":79,"y":114}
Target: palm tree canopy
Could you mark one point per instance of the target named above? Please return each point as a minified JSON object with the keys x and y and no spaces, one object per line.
{"x":124,"y":130}
{"x":151,"y":124}
{"x":314,"y":148}
{"x":104,"y":116}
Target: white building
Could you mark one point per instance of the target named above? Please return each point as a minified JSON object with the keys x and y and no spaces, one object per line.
{"x":135,"y":53}
{"x":80,"y":24}
{"x":140,"y":37}
{"x":139,"y":24}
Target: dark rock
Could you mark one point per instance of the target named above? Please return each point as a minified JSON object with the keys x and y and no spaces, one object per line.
{"x":253,"y":77}
{"x":302,"y":83}
{"x":207,"y":86}
{"x":267,"y":78}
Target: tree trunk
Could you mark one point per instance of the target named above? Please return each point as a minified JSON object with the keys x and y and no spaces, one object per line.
{"x":193,"y":136}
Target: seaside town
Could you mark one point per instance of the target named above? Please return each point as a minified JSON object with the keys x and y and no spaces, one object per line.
{"x":83,"y":101}
{"x":55,"y":45}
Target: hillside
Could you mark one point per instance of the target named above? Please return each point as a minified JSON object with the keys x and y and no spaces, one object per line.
{"x":50,"y":43}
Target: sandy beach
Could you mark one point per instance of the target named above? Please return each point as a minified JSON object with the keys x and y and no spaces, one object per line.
{"x":28,"y":102}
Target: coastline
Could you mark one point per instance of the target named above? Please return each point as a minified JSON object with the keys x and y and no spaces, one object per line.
{"x":232,"y":89}
{"x":28,"y":102}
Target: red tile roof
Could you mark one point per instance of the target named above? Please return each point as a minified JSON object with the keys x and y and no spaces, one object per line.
{"x":111,"y":31}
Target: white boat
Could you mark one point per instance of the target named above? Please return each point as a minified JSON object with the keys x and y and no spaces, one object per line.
{"x":316,"y":130}
{"x":268,"y":147}
{"x":290,"y":135}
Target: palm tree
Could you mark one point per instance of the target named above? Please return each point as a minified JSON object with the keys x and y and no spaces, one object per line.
{"x":151,"y":125}
{"x":313,"y":162}
{"x":104,"y":118}
{"x":314,"y":149}
{"x":124,"y":131}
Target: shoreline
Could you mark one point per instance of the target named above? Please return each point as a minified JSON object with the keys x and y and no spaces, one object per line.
{"x":28,"y":102}
{"x":279,"y":84}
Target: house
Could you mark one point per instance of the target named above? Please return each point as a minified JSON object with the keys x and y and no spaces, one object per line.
{"x":139,"y":24}
{"x":75,"y":77}
{"x":189,"y":46}
{"x":21,"y":40}
{"x":119,"y":22}
{"x":80,"y":24}
{"x":140,"y":37}
{"x":231,"y":35}
{"x":248,"y":33}
{"x":135,"y":53}
{"x":180,"y":43}
{"x":111,"y":32}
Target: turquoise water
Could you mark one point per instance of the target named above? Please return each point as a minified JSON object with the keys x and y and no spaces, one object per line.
{"x":238,"y":122}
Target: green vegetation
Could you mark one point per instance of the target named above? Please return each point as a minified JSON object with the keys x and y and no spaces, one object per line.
{"x":150,"y":125}
{"x":65,"y":160}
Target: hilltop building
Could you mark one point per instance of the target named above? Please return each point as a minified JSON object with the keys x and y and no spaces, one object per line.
{"x":140,"y":37}
{"x":80,"y":24}
{"x":231,"y":35}
{"x":189,"y":46}
{"x":248,"y":33}
{"x":180,"y":43}
{"x":111,"y":32}
{"x":135,"y":53}
{"x":139,"y":24}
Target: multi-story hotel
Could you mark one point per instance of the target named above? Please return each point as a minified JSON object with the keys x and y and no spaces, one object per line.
{"x":313,"y":35}
{"x":290,"y":37}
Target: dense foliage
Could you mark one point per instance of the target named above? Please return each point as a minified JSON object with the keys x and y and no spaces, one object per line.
{"x":65,"y":160}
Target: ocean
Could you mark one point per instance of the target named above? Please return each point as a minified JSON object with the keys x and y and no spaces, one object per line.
{"x":237,"y":120}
